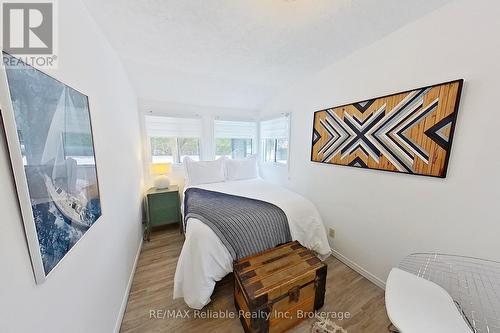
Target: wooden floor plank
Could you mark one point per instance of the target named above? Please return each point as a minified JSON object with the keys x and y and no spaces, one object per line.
{"x":152,"y":289}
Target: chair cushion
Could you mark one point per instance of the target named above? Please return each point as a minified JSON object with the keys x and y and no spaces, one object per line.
{"x":416,"y":305}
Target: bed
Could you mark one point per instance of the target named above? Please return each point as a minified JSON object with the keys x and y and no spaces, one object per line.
{"x":204,"y":259}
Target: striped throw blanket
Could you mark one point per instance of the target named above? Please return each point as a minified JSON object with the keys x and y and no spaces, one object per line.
{"x":245,"y":226}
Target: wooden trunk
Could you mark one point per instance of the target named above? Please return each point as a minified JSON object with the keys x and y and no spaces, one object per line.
{"x":278,"y":288}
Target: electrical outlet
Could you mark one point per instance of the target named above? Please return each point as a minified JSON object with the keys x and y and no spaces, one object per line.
{"x":331,"y":232}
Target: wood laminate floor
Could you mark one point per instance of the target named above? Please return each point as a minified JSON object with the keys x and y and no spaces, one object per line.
{"x":152,"y":288}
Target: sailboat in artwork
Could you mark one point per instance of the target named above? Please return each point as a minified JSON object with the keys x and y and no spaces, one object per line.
{"x":61,"y":171}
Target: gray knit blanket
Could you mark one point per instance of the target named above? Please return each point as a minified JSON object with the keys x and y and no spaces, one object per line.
{"x":245,"y":226}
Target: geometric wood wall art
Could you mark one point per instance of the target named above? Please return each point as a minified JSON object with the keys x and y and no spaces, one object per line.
{"x":409,"y":132}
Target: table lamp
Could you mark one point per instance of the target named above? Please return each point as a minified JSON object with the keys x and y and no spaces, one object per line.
{"x":161,"y":170}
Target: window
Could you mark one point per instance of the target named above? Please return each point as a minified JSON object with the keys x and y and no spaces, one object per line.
{"x":172,"y":139}
{"x":274,"y":140}
{"x":234,"y":139}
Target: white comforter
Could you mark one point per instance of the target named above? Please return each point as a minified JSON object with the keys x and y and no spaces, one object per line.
{"x":204,"y":259}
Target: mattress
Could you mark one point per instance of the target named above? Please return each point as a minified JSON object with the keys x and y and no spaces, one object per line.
{"x":204,"y":259}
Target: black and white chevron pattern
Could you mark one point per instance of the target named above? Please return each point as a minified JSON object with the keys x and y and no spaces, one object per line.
{"x":382,"y":133}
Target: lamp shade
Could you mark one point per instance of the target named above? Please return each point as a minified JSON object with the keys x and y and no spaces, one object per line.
{"x":161,"y":168}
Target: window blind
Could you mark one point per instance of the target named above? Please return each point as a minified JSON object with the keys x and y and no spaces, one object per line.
{"x":276,"y":128}
{"x":235,"y":129}
{"x":159,"y":126}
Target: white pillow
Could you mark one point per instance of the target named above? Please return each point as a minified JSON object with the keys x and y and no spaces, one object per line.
{"x":241,"y":169}
{"x":204,"y":172}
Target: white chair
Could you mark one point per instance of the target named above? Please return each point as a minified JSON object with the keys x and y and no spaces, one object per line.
{"x":432,"y":292}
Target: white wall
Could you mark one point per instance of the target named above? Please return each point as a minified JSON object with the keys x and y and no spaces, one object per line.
{"x":85,"y":292}
{"x":381,"y":217}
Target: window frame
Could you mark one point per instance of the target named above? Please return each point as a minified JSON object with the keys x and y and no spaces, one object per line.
{"x":232,"y":152}
{"x":254,"y":139}
{"x":275,"y":162}
{"x":177,"y":161}
{"x":176,"y":152}
{"x":207,"y":137}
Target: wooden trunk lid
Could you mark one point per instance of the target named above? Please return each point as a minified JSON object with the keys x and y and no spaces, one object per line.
{"x":273,"y":273}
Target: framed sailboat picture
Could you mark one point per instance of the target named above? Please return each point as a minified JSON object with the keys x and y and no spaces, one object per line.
{"x":49,"y":136}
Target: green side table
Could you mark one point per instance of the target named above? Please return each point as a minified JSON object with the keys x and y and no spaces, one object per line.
{"x":162,"y":208}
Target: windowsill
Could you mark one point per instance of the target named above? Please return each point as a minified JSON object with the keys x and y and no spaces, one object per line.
{"x":274,"y":164}
{"x":177,"y":166}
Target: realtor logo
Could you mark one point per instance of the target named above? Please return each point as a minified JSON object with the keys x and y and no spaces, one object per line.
{"x":28,"y":28}
{"x":28,"y":31}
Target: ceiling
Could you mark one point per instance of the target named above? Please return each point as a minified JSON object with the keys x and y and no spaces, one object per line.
{"x":240,"y":53}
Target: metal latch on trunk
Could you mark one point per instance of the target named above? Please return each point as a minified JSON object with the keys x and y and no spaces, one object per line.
{"x":294,"y":294}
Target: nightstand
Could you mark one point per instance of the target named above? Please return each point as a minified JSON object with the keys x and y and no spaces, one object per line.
{"x":162,"y":208}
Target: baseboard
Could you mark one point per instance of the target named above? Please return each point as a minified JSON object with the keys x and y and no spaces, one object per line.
{"x":127,"y":291}
{"x":372,"y":278}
